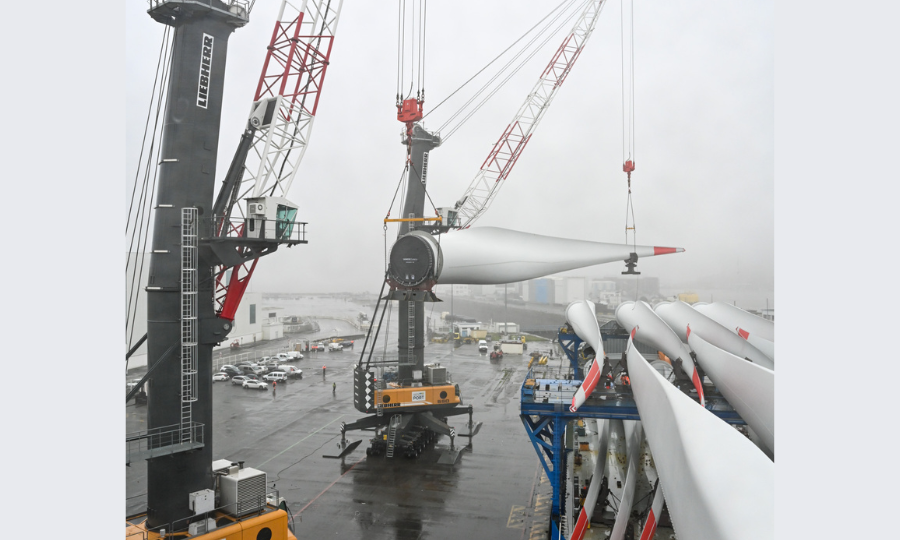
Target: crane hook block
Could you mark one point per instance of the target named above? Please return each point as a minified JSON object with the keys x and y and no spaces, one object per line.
{"x":631,"y":264}
{"x":410,"y":110}
{"x":628,"y":167}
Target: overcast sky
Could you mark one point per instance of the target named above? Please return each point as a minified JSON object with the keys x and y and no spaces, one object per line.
{"x":704,"y":137}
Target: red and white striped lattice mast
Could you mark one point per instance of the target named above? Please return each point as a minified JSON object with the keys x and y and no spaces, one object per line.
{"x":509,"y":147}
{"x":293,"y":75}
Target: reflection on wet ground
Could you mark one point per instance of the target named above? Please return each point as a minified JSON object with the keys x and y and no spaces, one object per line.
{"x":494,"y":490}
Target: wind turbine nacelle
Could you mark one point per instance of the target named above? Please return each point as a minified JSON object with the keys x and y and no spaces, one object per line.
{"x":415,"y":262}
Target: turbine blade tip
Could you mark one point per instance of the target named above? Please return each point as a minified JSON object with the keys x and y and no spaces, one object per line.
{"x":657,"y":250}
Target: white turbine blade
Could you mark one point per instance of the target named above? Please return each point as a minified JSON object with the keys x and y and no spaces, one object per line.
{"x":679,"y":316}
{"x":590,"y":501}
{"x":764,"y":345}
{"x":582,"y":317}
{"x":732,"y":316}
{"x":587,"y":386}
{"x":634,"y":439}
{"x":644,"y":324}
{"x":718,"y":485}
{"x":653,"y":516}
{"x":748,"y":387}
{"x":492,"y":256}
{"x":617,"y":457}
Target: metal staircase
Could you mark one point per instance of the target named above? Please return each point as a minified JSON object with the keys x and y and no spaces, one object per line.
{"x":392,"y":435}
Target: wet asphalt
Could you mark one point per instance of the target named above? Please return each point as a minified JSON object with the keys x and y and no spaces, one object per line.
{"x":495,"y":490}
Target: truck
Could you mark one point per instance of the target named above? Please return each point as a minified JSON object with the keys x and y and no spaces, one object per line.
{"x":482,"y":346}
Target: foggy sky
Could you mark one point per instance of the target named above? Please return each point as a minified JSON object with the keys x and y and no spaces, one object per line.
{"x":704,"y":137}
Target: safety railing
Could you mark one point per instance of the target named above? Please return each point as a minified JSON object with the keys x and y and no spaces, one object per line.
{"x":162,"y":441}
{"x":240,"y":8}
{"x":281,"y":231}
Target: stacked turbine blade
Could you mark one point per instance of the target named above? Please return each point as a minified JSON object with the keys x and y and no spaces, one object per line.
{"x":679,"y":316}
{"x":582,"y":317}
{"x":718,"y":485}
{"x":645,"y":325}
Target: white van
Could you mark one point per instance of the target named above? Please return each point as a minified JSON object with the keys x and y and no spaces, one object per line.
{"x":482,"y":346}
{"x":332,"y":347}
{"x":292,"y":371}
{"x":275,"y":376}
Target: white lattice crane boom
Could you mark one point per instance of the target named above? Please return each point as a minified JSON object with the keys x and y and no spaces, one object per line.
{"x":499,"y":163}
{"x":292,"y":76}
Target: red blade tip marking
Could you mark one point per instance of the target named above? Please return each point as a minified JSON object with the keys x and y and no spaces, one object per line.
{"x":666,"y":250}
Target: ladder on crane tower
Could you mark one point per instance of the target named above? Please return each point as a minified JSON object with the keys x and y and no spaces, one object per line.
{"x":411,"y":332}
{"x":392,"y":435}
{"x":189,"y":263}
{"x":379,"y":406}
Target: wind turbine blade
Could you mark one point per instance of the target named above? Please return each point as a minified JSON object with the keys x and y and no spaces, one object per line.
{"x":764,"y":345}
{"x":624,"y":512}
{"x":732,"y":316}
{"x":748,"y":387}
{"x":492,"y":256}
{"x":590,"y":500}
{"x":653,"y":516}
{"x":582,"y":317}
{"x":644,"y":324}
{"x":718,"y":485}
{"x":679,"y":316}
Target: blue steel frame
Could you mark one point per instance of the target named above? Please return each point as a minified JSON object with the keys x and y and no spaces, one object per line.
{"x":551,"y":427}
{"x":547,"y":431}
{"x":570,"y":343}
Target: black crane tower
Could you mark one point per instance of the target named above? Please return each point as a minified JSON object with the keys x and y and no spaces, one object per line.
{"x":411,"y":314}
{"x":187,"y":171}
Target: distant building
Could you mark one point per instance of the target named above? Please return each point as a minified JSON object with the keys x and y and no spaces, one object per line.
{"x":689,"y":298}
{"x":445,"y":291}
{"x":508,"y":327}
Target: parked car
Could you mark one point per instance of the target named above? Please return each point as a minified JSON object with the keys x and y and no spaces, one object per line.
{"x":220,"y":376}
{"x":238,"y":380}
{"x":258,"y":385}
{"x":231,"y":370}
{"x":333,"y":347}
{"x":275,"y":376}
{"x":253,"y":376}
{"x":482,"y":346}
{"x":317,"y":347}
{"x":259,"y":369}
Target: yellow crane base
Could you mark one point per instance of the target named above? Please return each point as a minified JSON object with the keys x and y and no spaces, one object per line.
{"x":251,"y":528}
